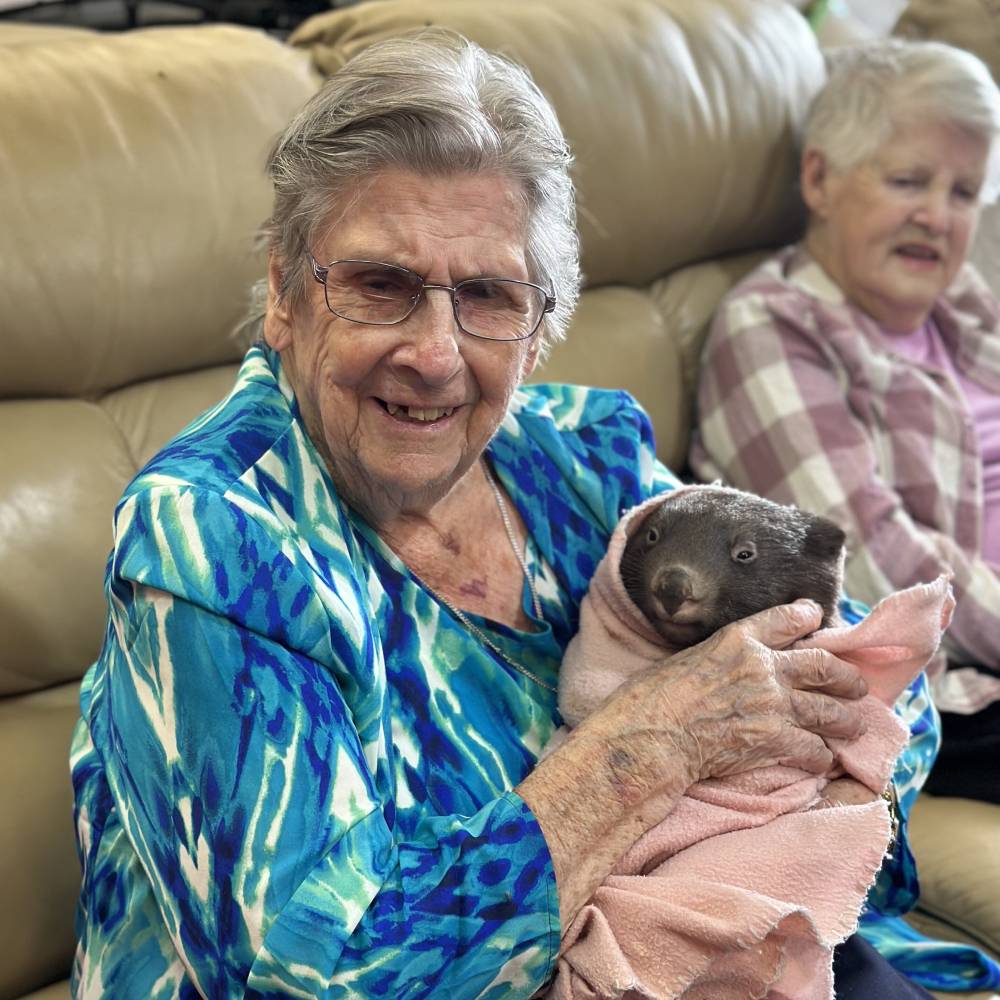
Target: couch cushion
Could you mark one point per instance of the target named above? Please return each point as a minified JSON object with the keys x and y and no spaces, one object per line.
{"x":131,"y":187}
{"x":41,"y":875}
{"x":956,"y":843}
{"x":687,"y":300}
{"x":64,"y":467}
{"x":57,"y":991}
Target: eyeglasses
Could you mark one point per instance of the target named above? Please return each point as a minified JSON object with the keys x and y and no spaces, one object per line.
{"x":367,"y":291}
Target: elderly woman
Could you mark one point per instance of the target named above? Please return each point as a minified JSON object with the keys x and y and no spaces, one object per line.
{"x":857,"y":374}
{"x":338,"y":601}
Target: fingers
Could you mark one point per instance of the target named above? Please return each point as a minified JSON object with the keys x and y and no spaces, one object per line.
{"x":819,"y":670}
{"x":807,"y":752}
{"x":826,"y":716}
{"x":780,"y":626}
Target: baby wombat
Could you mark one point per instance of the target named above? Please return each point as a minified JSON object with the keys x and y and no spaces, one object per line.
{"x":707,"y":557}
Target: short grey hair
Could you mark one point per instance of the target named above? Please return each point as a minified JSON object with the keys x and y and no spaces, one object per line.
{"x":433,"y":103}
{"x":876,"y":87}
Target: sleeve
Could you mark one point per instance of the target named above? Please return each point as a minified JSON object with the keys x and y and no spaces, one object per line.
{"x":259,"y":799}
{"x":775,"y":416}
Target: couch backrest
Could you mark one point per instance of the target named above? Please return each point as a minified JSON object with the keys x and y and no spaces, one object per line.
{"x":131,"y":185}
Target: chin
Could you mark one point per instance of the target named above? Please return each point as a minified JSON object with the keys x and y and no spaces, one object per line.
{"x":683,"y":634}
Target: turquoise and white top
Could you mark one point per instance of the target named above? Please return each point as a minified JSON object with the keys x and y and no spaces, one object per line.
{"x":293,"y":772}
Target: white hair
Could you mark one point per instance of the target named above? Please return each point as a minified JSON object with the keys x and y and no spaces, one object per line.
{"x":433,"y":103}
{"x":875,"y":88}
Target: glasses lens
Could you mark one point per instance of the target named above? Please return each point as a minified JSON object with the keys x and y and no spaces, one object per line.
{"x":499,"y":308}
{"x":367,"y":292}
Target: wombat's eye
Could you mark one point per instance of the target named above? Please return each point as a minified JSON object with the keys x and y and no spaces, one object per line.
{"x":652,"y":536}
{"x":744,"y":552}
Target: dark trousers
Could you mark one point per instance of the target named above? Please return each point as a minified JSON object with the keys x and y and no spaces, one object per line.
{"x":968,"y":765}
{"x":861,"y":973}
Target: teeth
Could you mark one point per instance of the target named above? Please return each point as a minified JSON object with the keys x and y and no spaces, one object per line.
{"x":423,"y":414}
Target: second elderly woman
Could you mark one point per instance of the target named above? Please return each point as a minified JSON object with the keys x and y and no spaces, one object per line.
{"x":857,"y":373}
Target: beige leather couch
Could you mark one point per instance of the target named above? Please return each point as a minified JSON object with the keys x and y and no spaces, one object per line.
{"x":130,"y":188}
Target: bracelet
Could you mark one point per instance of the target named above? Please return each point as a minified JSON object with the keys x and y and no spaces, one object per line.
{"x":892,"y":802}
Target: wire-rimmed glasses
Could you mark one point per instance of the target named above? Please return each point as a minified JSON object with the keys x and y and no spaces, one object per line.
{"x":379,"y":294}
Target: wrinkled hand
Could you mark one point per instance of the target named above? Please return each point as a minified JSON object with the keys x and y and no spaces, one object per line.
{"x":736,"y":701}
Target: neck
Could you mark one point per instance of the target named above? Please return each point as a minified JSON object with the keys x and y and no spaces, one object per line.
{"x":401,"y":521}
{"x":461,"y":551}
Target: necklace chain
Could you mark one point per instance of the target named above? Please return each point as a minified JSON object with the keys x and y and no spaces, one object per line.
{"x":536,"y":604}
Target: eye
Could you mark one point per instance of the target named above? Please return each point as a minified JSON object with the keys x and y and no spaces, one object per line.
{"x":743,"y":552}
{"x":967,"y":194}
{"x":652,"y":536}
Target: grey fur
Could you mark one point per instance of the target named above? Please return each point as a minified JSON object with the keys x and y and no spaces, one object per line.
{"x":728,"y":554}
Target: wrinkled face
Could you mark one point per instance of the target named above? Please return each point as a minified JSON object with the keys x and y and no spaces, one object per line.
{"x":894,"y":231}
{"x":401,"y":413}
{"x":699,"y":562}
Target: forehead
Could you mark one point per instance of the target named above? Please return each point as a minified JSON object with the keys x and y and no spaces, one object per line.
{"x":421,"y":221}
{"x":932,"y":145}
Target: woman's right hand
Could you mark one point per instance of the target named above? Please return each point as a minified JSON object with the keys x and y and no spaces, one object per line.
{"x":739,"y":700}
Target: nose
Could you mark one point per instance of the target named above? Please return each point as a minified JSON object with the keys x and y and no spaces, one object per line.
{"x":673,"y":587}
{"x":934,"y":212}
{"x":431,"y":341}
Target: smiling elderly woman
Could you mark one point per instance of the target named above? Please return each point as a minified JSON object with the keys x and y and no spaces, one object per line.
{"x":339,"y":600}
{"x":857,"y":374}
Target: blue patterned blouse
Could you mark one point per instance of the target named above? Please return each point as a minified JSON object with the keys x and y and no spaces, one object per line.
{"x":293,"y":770}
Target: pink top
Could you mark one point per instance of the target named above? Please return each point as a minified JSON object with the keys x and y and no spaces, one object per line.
{"x":926,"y":347}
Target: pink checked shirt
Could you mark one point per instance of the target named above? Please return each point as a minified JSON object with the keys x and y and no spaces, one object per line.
{"x":802,"y":399}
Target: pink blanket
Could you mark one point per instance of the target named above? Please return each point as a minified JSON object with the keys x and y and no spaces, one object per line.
{"x":744,"y":889}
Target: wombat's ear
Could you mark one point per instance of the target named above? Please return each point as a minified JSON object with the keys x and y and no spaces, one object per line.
{"x":824,"y":539}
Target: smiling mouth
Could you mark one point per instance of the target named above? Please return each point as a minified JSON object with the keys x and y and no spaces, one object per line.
{"x":417,"y":414}
{"x":914,"y":251}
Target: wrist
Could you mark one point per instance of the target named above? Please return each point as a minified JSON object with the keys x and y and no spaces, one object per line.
{"x":593,"y":798}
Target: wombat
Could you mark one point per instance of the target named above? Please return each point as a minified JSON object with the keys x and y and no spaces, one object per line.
{"x":708,"y":557}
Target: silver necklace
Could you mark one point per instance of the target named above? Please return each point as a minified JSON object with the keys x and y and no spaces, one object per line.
{"x":536,"y":605}
{"x":535,"y":602}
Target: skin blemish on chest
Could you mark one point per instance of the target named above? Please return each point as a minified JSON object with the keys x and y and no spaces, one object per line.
{"x":474,"y":588}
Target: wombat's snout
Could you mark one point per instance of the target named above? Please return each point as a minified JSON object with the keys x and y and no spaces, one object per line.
{"x":674,"y":587}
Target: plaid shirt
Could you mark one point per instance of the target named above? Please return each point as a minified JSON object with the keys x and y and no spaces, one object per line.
{"x":803,"y":400}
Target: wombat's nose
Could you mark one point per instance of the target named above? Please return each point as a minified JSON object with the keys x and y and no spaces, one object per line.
{"x":672,"y":588}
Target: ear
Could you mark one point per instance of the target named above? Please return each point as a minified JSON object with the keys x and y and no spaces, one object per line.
{"x":531,"y":358}
{"x":277,"y":317}
{"x":814,"y":181}
{"x":824,"y":539}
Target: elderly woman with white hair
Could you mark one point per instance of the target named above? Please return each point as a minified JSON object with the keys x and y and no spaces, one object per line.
{"x":857,"y":374}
